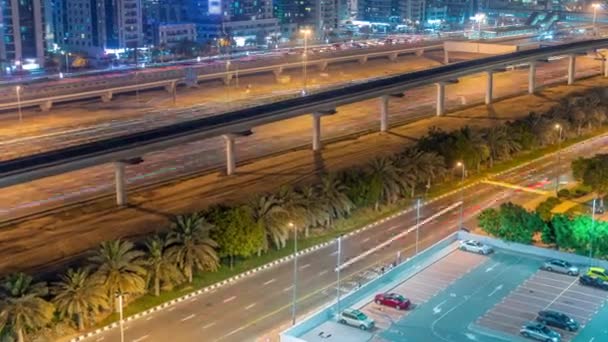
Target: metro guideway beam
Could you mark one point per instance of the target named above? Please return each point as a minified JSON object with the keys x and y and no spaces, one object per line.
{"x":127,"y":147}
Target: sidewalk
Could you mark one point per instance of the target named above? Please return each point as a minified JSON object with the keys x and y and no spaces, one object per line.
{"x":50,"y":239}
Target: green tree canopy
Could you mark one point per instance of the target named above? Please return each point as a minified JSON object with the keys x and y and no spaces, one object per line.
{"x":511,"y":222}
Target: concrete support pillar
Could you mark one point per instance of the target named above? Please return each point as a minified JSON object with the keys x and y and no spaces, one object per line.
{"x":532,"y":78}
{"x":227,"y":78}
{"x":383,"y":113}
{"x":489,"y":86}
{"x":316,"y":132}
{"x":170,"y":87}
{"x":46,"y":106}
{"x":605,"y":67}
{"x":393,"y":57}
{"x":446,"y":56}
{"x":119,"y":180}
{"x":440,"y":98}
{"x":322,"y":65}
{"x":230,"y":156}
{"x":107,"y":97}
{"x":419,"y":52}
{"x":571,"y":69}
{"x":363,"y":59}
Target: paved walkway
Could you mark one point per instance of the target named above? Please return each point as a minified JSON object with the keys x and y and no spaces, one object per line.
{"x":50,"y":239}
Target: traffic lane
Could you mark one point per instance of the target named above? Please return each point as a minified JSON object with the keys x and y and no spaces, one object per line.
{"x":212,"y":149}
{"x":267,"y":288}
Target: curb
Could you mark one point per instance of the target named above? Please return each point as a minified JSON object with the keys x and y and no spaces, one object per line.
{"x":308,"y":250}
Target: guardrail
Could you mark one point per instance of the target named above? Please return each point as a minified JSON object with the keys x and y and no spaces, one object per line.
{"x":137,"y":144}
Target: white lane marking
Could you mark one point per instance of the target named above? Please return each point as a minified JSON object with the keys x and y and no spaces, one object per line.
{"x":229,"y":299}
{"x":305,"y":266}
{"x":249,"y":306}
{"x":100,"y":339}
{"x":141,"y":338}
{"x":270,"y":281}
{"x":437,"y":309}
{"x":149,"y":318}
{"x":365,"y":240}
{"x":172,"y":308}
{"x":208,"y":325}
{"x":393,"y":228}
{"x":323,"y":272}
{"x":496,"y":289}
{"x":187,"y":318}
{"x":333,"y":253}
{"x":288,"y":288}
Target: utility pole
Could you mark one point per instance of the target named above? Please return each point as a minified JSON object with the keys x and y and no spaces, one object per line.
{"x":338,"y":272}
{"x":417,"y":222}
{"x":295,"y":274}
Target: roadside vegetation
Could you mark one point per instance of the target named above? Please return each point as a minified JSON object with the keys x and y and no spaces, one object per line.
{"x":204,"y":247}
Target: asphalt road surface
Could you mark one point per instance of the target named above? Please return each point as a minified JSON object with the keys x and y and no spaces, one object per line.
{"x":259,"y":304}
{"x":208,"y":154}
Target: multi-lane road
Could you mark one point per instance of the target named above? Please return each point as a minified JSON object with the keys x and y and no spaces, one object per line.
{"x":258,"y":305}
{"x":78,"y":124}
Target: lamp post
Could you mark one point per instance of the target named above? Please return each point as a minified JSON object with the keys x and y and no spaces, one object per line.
{"x":121,"y":320}
{"x":306,"y":33}
{"x":559,"y":129}
{"x":295,"y":274}
{"x":591,"y":231}
{"x":67,"y":62}
{"x":338,"y":273}
{"x":18,"y":91}
{"x":461,"y":165}
{"x":228,"y":78}
{"x":417,"y":222}
{"x":595,"y":7}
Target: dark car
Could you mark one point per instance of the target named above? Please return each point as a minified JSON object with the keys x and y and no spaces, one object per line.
{"x":393,"y":300}
{"x":594,"y":282}
{"x":557,"y":319}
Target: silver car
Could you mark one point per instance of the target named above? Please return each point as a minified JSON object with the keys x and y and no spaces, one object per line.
{"x":356,"y":318}
{"x":475,"y":247}
{"x":560,"y":266}
{"x":540,"y":332}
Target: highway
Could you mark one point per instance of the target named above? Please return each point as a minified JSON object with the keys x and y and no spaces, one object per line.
{"x":76,"y":186}
{"x":257,"y":305}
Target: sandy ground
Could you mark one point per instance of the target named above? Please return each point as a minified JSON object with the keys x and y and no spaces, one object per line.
{"x":56,"y":238}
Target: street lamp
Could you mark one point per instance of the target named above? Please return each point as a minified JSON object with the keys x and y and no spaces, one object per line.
{"x":67,"y":63}
{"x":591,"y":232}
{"x":338,"y":273}
{"x":417,"y":221}
{"x":18,"y":91}
{"x":295,"y":273}
{"x":121,"y":320}
{"x":559,"y":129}
{"x":306,"y":33}
{"x":461,"y":165}
{"x":595,"y":7}
{"x":479,"y":18}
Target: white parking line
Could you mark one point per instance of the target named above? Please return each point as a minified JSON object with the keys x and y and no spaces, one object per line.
{"x":208,"y":325}
{"x":187,"y":318}
{"x":270,"y":281}
{"x":249,"y":306}
{"x":229,"y":299}
{"x":561,"y":293}
{"x":141,"y":338}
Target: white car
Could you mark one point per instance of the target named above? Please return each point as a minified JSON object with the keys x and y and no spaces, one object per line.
{"x":475,"y":247}
{"x":356,"y":318}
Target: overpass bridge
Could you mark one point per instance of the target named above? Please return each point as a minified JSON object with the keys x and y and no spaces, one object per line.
{"x":17,"y":97}
{"x":131,"y":148}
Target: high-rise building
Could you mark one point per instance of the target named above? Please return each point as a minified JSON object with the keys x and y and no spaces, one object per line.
{"x":321,"y":16}
{"x":161,"y":12}
{"x":391,"y":11}
{"x":22,"y":36}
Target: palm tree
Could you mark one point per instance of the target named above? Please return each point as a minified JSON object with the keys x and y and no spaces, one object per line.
{"x":78,"y":294}
{"x":419,"y":167}
{"x":314,"y":212}
{"x":500,"y":143}
{"x":265,"y":209}
{"x":23,"y":308}
{"x":119,"y":267}
{"x":333,"y":195}
{"x":470,"y":147}
{"x":385,"y":182}
{"x":190,"y":246}
{"x":161,"y":269}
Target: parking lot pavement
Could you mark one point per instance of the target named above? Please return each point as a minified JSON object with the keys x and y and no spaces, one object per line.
{"x":544,"y":290}
{"x":424,"y":285}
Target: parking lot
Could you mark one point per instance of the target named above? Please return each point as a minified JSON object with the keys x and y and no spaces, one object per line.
{"x":424,"y":286}
{"x":544,"y":290}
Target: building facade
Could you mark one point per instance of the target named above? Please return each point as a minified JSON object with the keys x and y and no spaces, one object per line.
{"x":321,"y":16}
{"x":22,"y":34}
{"x":171,"y":34}
{"x":391,"y":11}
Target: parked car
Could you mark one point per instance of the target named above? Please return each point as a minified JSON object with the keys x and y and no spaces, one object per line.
{"x":539,"y":331}
{"x":393,"y":300}
{"x":598,"y":272}
{"x":475,"y":247}
{"x":557,"y":319}
{"x":594,"y":282}
{"x":356,"y":318}
{"x":560,"y":266}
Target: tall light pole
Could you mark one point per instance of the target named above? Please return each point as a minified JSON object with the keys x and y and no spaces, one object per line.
{"x":595,"y":7}
{"x":121,"y":320}
{"x":591,"y":232}
{"x":295,"y":273}
{"x":559,"y":129}
{"x":306,"y":33}
{"x":338,"y":272}
{"x":18,"y":91}
{"x":67,"y":62}
{"x":463,"y":171}
{"x":228,"y":78}
{"x":417,"y":222}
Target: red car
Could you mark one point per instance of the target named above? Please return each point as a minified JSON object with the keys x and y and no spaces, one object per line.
{"x":393,"y":300}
